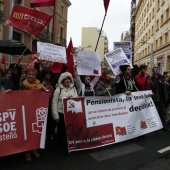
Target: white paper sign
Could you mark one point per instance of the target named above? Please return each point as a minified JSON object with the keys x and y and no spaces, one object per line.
{"x":51,"y":52}
{"x":88,"y":63}
{"x":126,"y":46}
{"x":115,"y":59}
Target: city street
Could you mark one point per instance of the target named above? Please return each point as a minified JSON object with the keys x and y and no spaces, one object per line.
{"x":140,"y":153}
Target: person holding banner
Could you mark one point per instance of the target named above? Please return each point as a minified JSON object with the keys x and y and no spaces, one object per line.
{"x":126,"y":83}
{"x":31,"y":83}
{"x":84,"y":85}
{"x":107,"y":86}
{"x":65,"y":89}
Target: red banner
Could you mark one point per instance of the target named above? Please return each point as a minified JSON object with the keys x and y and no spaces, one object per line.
{"x":22,"y":121}
{"x":41,"y":3}
{"x":79,"y":136}
{"x":28,"y":20}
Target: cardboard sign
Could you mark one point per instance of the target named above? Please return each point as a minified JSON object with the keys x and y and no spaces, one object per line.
{"x":88,"y":63}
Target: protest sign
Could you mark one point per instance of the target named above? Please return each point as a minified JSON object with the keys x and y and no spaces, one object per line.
{"x":28,"y":20}
{"x":51,"y":52}
{"x":126,"y":46}
{"x":98,"y":121}
{"x":23,"y":121}
{"x":115,"y":59}
{"x":88,"y":63}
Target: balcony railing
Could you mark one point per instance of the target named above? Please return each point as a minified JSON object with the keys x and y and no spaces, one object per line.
{"x":45,"y":34}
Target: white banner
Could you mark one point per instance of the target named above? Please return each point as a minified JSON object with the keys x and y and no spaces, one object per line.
{"x":97,"y":121}
{"x":126,"y":46}
{"x":115,"y":59}
{"x":88,"y":63}
{"x":51,"y":52}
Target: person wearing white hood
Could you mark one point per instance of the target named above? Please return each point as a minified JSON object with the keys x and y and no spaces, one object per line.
{"x":65,"y":89}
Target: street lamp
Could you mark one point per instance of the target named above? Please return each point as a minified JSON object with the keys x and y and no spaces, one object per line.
{"x":151,"y":45}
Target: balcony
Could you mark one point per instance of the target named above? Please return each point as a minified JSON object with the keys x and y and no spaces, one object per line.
{"x":45,"y":34}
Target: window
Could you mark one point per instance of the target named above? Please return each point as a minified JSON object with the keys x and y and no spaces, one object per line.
{"x":158,"y":5}
{"x":166,"y":38}
{"x":16,"y":36}
{"x":162,"y":19}
{"x":157,"y":24}
{"x":61,"y":33}
{"x":167,"y":14}
{"x":160,"y":41}
{"x":18,"y":2}
{"x":62,"y":10}
{"x":34,"y":45}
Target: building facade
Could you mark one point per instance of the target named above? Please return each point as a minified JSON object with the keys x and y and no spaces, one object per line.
{"x":132,"y":24}
{"x":153,"y":30}
{"x":89,"y":40}
{"x":54,"y":32}
{"x":125,"y":36}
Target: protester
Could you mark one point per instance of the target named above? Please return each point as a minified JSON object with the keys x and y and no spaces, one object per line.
{"x":84,"y":84}
{"x":160,"y":97}
{"x":65,"y":89}
{"x":8,"y":81}
{"x":23,"y":74}
{"x":47,"y":82}
{"x":31,"y":83}
{"x":1,"y":77}
{"x":126,"y":83}
{"x":142,"y":79}
{"x":106,"y":87}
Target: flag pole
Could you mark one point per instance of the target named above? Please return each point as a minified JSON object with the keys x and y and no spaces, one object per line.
{"x":100,"y":32}
{"x":53,"y":35}
{"x":20,"y":57}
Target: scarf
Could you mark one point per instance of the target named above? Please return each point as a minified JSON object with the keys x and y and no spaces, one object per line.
{"x":35,"y":85}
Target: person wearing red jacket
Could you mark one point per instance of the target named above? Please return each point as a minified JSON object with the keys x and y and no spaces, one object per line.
{"x":142,"y":79}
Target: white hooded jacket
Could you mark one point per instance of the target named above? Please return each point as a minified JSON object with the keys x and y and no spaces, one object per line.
{"x":60,"y":92}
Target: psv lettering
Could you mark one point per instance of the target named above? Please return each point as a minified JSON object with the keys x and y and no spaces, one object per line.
{"x":7,"y":121}
{"x":18,"y":15}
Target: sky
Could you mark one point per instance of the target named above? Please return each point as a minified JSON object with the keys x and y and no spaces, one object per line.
{"x":90,"y":13}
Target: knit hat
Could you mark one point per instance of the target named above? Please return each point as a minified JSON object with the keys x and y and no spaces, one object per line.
{"x":123,"y":68}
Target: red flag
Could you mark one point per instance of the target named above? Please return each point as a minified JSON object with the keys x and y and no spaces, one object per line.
{"x":70,"y":58}
{"x":56,"y":67}
{"x":28,"y":20}
{"x":106,"y":4}
{"x":41,"y":3}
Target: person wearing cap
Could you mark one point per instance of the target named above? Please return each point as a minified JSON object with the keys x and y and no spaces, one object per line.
{"x":126,"y":83}
{"x":142,"y":79}
{"x":106,"y":87}
{"x":160,"y":97}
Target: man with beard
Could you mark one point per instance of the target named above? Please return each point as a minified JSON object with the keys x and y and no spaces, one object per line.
{"x":126,"y":83}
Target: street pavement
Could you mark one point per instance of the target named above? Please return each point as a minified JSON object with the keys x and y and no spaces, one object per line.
{"x":137,"y":154}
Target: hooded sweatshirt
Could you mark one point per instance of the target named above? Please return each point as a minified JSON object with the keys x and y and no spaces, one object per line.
{"x":60,"y":92}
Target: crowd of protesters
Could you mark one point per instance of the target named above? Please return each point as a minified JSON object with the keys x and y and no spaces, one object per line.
{"x":65,"y":85}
